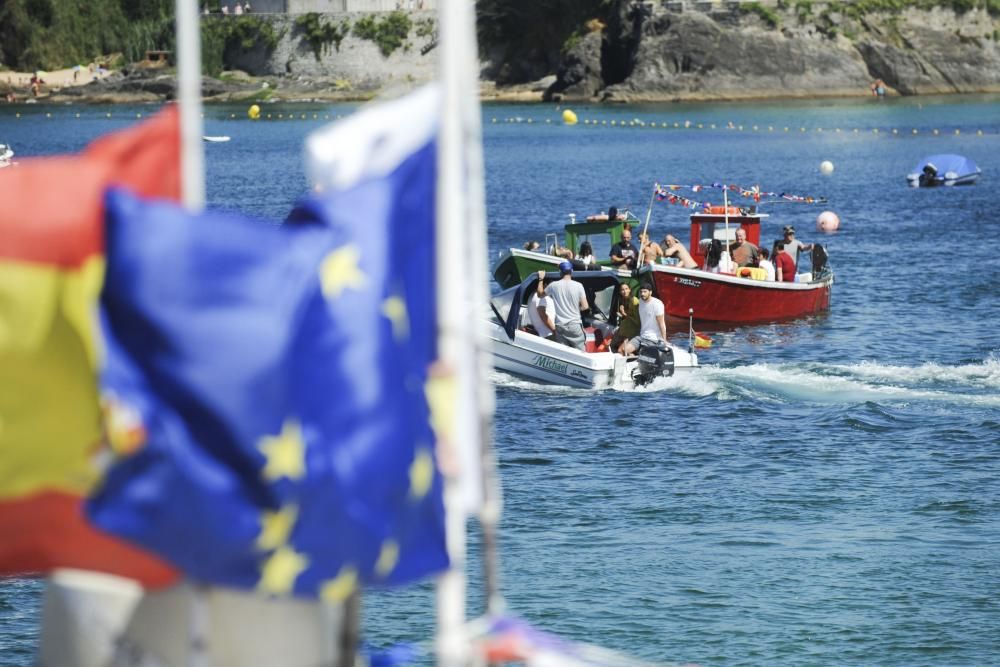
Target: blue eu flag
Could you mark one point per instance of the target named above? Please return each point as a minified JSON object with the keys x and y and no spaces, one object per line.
{"x":266,"y":388}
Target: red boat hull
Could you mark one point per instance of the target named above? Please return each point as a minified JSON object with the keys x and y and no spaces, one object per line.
{"x":716,"y":297}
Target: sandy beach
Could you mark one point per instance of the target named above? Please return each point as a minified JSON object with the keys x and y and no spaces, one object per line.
{"x":20,"y":82}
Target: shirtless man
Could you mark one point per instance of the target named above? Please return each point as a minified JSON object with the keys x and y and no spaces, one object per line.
{"x":674,"y":248}
{"x":649,"y":251}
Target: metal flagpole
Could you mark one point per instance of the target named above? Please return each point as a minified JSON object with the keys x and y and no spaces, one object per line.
{"x":189,"y":99}
{"x":193,"y":197}
{"x":462,"y":294}
{"x":649,"y":212}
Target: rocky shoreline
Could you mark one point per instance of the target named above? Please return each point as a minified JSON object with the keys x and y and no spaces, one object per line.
{"x":646,"y":53}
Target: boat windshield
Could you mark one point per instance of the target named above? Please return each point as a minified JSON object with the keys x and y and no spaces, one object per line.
{"x":502,"y":303}
{"x":602,"y":302}
{"x":601,"y":243}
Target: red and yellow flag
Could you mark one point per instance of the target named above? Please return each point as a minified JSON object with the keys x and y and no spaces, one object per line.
{"x":51,"y":271}
{"x":701,"y":340}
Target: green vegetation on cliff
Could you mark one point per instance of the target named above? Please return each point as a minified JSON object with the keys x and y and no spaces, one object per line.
{"x":49,"y":34}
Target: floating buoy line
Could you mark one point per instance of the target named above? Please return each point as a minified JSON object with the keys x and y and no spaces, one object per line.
{"x":570,"y":119}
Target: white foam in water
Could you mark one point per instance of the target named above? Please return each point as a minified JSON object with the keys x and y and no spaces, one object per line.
{"x":866,"y":381}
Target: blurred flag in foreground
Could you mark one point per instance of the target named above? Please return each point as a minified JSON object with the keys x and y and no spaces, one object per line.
{"x":702,"y":340}
{"x":270,"y":382}
{"x":51,"y":268}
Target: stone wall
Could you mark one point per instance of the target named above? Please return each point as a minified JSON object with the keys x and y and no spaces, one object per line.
{"x":358,"y":63}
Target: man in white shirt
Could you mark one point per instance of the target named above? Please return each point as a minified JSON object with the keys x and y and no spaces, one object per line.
{"x":568,"y":300}
{"x":538,"y":311}
{"x":652,"y":322}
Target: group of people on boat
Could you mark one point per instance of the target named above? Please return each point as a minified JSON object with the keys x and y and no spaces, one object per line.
{"x":556,"y":311}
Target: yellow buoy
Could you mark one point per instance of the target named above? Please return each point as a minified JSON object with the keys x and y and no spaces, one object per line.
{"x":569,"y":117}
{"x":253,"y":112}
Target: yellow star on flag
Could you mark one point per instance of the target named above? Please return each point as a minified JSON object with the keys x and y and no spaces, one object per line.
{"x":280,"y":571}
{"x":387,"y":558}
{"x":339,"y":270}
{"x":395,"y":309}
{"x":275,"y":527}
{"x":421,"y":473}
{"x":441,"y":392}
{"x":285,"y":453}
{"x":337,"y":590}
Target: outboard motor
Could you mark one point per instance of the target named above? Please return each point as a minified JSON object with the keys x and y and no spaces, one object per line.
{"x":654,"y":360}
{"x":820,"y":261}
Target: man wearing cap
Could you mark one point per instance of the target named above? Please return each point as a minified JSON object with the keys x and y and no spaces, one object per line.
{"x":793,"y":246}
{"x":568,"y":300}
{"x":652,"y":323}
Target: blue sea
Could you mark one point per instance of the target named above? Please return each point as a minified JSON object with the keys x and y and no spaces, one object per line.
{"x":825,"y":491}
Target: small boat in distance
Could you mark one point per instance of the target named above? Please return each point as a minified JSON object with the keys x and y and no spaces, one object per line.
{"x":516,"y":264}
{"x":6,"y":155}
{"x":519,"y":351}
{"x":215,"y":139}
{"x":741,"y":296}
{"x":945,"y":169}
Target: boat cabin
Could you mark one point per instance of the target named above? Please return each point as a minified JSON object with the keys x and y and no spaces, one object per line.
{"x":714,"y":224}
{"x":600,"y":232}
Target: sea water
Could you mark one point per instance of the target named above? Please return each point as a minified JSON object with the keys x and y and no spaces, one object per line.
{"x":824,"y":491}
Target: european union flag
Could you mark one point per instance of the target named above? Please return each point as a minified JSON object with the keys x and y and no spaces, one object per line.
{"x":266,"y":386}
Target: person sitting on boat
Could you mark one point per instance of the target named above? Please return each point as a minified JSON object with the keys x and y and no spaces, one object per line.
{"x":568,"y":302}
{"x":718,"y":260}
{"x":784,"y":265}
{"x":742,"y":251}
{"x":674,"y":248}
{"x":765,"y":263}
{"x":532,"y":246}
{"x":649,"y":251}
{"x":624,"y":253}
{"x":539,"y":307}
{"x":793,"y":246}
{"x":628,"y":318}
{"x":586,"y":256}
{"x":652,"y":325}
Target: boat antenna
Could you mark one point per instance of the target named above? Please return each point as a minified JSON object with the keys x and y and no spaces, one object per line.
{"x":690,"y":330}
{"x":725,"y":211}
{"x":649,"y":212}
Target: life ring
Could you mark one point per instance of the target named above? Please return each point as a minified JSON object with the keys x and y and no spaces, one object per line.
{"x":721,"y":210}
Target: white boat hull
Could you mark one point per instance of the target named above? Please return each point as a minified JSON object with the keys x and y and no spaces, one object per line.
{"x":553,"y":363}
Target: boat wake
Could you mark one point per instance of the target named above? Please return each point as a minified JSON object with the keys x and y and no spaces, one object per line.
{"x":973,"y":385}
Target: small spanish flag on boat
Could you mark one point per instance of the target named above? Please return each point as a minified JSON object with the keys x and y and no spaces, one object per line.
{"x":701,"y":340}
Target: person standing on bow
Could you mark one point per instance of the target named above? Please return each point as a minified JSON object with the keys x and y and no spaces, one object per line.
{"x":793,"y":246}
{"x":624,"y":253}
{"x":652,"y":322}
{"x":569,"y":301}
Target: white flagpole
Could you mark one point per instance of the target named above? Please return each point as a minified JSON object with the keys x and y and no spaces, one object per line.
{"x":193,"y":196}
{"x":462,"y":298}
{"x":189,"y":99}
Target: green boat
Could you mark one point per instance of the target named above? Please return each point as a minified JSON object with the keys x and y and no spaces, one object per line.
{"x":516,"y":264}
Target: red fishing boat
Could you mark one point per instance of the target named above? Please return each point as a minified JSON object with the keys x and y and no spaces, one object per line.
{"x":742,"y":295}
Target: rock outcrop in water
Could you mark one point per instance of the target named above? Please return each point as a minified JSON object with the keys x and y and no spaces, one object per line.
{"x":649,"y":53}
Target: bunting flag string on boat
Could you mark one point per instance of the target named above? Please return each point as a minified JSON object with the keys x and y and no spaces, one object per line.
{"x":669,"y":194}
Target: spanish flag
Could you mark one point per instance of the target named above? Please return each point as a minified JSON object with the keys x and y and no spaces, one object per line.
{"x":51,"y":273}
{"x":701,"y":340}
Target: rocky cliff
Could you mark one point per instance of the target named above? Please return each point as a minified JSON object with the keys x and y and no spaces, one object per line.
{"x":649,"y":53}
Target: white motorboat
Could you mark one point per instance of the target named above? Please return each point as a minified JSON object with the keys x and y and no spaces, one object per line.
{"x":6,"y":154}
{"x":519,"y":351}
